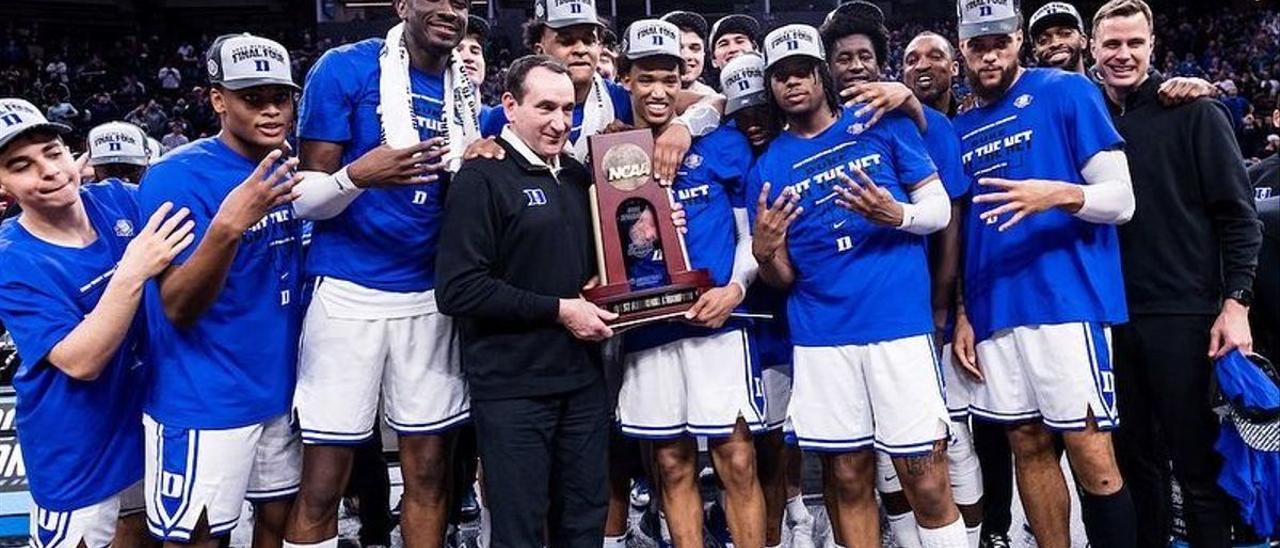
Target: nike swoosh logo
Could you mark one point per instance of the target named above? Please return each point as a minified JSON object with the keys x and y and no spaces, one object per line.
{"x":839,"y":224}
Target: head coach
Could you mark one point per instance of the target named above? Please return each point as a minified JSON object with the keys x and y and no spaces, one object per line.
{"x":1188,"y":257}
{"x":516,"y":249}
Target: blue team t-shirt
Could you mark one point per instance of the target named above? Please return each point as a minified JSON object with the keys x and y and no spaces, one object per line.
{"x":1051,"y":267}
{"x":709,"y":184}
{"x":386,"y":238}
{"x":493,"y":120}
{"x":856,"y":282}
{"x":943,"y":144}
{"x":81,"y":440}
{"x":237,"y":364}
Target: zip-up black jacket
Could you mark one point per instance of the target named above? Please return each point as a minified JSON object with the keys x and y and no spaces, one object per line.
{"x":515,"y":240}
{"x":1195,"y":235}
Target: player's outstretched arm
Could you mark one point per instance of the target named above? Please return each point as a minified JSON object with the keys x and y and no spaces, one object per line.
{"x":1180,"y":90}
{"x":88,"y":348}
{"x":1105,"y":198}
{"x":929,"y":210}
{"x":715,"y":306}
{"x":189,"y":289}
{"x":327,"y":188}
{"x":699,"y":115}
{"x":880,"y":98}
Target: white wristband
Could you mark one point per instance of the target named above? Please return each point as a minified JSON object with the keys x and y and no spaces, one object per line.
{"x":344,"y":181}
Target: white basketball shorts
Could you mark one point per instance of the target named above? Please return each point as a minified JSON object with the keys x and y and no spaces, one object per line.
{"x":691,"y":387}
{"x":1059,"y":374}
{"x":93,"y":525}
{"x":959,"y":386}
{"x":349,"y":357}
{"x":886,"y":394}
{"x":777,"y":394}
{"x":192,"y":472}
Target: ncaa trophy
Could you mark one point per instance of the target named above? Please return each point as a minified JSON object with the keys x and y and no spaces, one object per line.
{"x":632,"y":217}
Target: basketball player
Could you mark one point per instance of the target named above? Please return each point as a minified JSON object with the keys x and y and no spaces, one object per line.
{"x":693,"y":48}
{"x":731,"y":36}
{"x":380,"y":122}
{"x":1052,"y":181}
{"x":680,"y":380}
{"x":778,"y":463}
{"x":75,"y":263}
{"x":855,"y":371}
{"x":118,"y":150}
{"x":223,"y":318}
{"x":570,"y":32}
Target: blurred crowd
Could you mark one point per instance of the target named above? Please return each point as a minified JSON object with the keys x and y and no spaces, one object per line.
{"x":158,"y":82}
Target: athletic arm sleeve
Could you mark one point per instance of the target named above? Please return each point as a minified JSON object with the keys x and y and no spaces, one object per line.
{"x":322,"y":196}
{"x":745,"y":267}
{"x":929,"y":210}
{"x":702,"y":117}
{"x":1108,"y":189}
{"x":469,"y":241}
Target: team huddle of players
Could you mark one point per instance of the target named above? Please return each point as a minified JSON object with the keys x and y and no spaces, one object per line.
{"x":170,"y":314}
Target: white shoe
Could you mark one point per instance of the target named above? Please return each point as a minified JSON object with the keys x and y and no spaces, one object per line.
{"x":801,"y":532}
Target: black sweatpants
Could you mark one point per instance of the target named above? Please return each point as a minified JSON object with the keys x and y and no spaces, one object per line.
{"x":1162,"y":388}
{"x":545,"y":468}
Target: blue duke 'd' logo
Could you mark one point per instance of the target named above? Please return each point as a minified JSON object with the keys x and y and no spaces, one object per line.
{"x":535,"y":196}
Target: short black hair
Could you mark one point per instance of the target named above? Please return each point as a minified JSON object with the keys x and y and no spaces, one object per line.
{"x":840,"y":26}
{"x":519,"y":71}
{"x":608,"y":38}
{"x":478,"y":27}
{"x":532,"y":33}
{"x":126,"y":172}
{"x":951,"y":50}
{"x":688,"y":21}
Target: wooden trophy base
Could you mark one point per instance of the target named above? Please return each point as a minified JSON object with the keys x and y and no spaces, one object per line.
{"x":635,"y":308}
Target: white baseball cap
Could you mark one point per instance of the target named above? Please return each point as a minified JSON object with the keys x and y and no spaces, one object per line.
{"x":118,"y":143}
{"x":1054,"y":14}
{"x":239,"y":61}
{"x":742,"y":80}
{"x":987,"y":17}
{"x":559,"y":14}
{"x":790,"y":41}
{"x":18,"y":116}
{"x":652,"y":38}
{"x":154,"y":150}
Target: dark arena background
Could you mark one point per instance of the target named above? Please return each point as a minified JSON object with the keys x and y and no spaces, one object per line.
{"x":86,"y":62}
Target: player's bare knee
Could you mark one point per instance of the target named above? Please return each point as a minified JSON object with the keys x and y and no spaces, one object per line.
{"x":1093,"y":461}
{"x":851,"y":475}
{"x":674,"y":464}
{"x":317,"y":504}
{"x":1030,"y":441}
{"x":735,"y":463}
